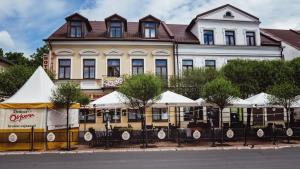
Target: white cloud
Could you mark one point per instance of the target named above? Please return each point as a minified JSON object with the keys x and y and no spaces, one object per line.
{"x":272,"y":13}
{"x":6,"y":40}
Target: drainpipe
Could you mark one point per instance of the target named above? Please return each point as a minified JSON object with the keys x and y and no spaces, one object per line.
{"x":177,"y":59}
{"x":281,"y":52}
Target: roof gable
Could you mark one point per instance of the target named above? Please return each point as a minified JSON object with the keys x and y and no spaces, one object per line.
{"x":116,"y":17}
{"x":220,"y":13}
{"x":77,"y":17}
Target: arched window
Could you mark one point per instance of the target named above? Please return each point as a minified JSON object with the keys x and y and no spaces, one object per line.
{"x":228,"y":14}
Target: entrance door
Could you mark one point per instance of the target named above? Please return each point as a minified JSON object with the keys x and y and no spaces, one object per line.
{"x":214,"y":114}
{"x":236,"y":117}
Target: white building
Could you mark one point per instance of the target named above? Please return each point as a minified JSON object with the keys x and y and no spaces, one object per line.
{"x":223,"y":34}
{"x":290,"y":41}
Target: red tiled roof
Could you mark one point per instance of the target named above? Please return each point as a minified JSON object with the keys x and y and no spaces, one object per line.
{"x":167,"y":33}
{"x":290,"y":37}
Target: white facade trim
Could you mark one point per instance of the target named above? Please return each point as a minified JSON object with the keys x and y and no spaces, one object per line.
{"x":137,"y":52}
{"x":64,"y":52}
{"x":160,"y":52}
{"x":89,"y":52}
{"x":132,"y":43}
{"x":113,"y":52}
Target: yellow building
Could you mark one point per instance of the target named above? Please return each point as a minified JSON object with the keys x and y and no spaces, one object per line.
{"x":98,"y":54}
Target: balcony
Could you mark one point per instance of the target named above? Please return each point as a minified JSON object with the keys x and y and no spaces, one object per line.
{"x":112,"y":82}
{"x":87,"y":84}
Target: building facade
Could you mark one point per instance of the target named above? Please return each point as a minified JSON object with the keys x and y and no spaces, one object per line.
{"x":225,"y":33}
{"x":4,"y":64}
{"x":99,"y":54}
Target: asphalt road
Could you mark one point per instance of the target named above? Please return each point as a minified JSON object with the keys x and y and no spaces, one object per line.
{"x":218,"y":159}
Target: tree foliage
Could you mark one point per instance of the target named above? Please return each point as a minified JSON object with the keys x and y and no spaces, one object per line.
{"x":14,"y":78}
{"x":191,"y":82}
{"x":284,"y":94}
{"x":256,"y":76}
{"x":220,"y":92}
{"x":142,"y":87}
{"x":66,"y":94}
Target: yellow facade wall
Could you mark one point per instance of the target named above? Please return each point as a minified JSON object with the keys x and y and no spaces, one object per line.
{"x":99,"y":125}
{"x":3,"y":66}
{"x":101,"y":60}
{"x":24,"y":137}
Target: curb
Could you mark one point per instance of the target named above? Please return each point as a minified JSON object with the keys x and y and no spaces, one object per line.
{"x":151,"y":150}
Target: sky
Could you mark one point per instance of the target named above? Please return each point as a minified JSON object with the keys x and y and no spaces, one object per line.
{"x":25,"y":23}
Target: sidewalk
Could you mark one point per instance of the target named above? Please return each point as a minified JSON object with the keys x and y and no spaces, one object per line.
{"x":97,"y":150}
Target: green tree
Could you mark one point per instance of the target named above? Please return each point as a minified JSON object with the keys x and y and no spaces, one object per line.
{"x":220,"y":92}
{"x":138,"y":90}
{"x":1,"y":52}
{"x":65,"y":95}
{"x":14,"y":78}
{"x":17,"y":58}
{"x":284,"y":94}
{"x":37,"y":57}
{"x":191,"y":82}
{"x":295,"y":66}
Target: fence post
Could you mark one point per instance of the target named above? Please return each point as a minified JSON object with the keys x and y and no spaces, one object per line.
{"x":214,"y":137}
{"x":274,"y":134}
{"x":178,"y":137}
{"x":32,"y":138}
{"x":245,"y":135}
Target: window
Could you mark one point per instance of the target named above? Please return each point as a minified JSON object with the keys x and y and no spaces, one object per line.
{"x":75,"y":29}
{"x":113,"y":67}
{"x":115,"y":30}
{"x":187,"y":65}
{"x":208,"y":37}
{"x":250,"y":38}
{"x":210,"y":64}
{"x":161,"y":68}
{"x":114,"y":116}
{"x":149,"y":30}
{"x":159,"y":114}
{"x":89,"y":68}
{"x":228,"y":14}
{"x":275,"y":114}
{"x":87,"y":116}
{"x":193,"y":113}
{"x":137,"y":66}
{"x":64,"y":68}
{"x":134,"y":115}
{"x":230,"y":38}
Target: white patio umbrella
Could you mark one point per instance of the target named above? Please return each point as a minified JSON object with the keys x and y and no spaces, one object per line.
{"x":238,"y":102}
{"x":112,"y":100}
{"x":261,"y":100}
{"x":169,"y":98}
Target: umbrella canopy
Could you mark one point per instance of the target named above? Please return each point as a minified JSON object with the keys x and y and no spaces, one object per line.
{"x":169,"y":98}
{"x":261,"y":99}
{"x":114,"y":99}
{"x":238,"y":102}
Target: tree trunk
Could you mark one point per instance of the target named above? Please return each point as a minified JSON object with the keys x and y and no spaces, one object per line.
{"x":222,"y":126}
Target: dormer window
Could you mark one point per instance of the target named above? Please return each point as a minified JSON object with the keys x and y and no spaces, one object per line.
{"x":150,"y":30}
{"x":115,"y":30}
{"x":75,"y":29}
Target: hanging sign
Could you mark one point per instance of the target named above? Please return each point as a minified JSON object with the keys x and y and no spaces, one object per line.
{"x":289,"y":132}
{"x":230,"y":133}
{"x":196,"y":134}
{"x":88,"y":136}
{"x":161,"y":134}
{"x":260,"y":133}
{"x":12,"y":137}
{"x":50,"y":137}
{"x":125,"y":135}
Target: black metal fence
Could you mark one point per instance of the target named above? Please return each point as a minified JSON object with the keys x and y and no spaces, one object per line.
{"x":163,"y":137}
